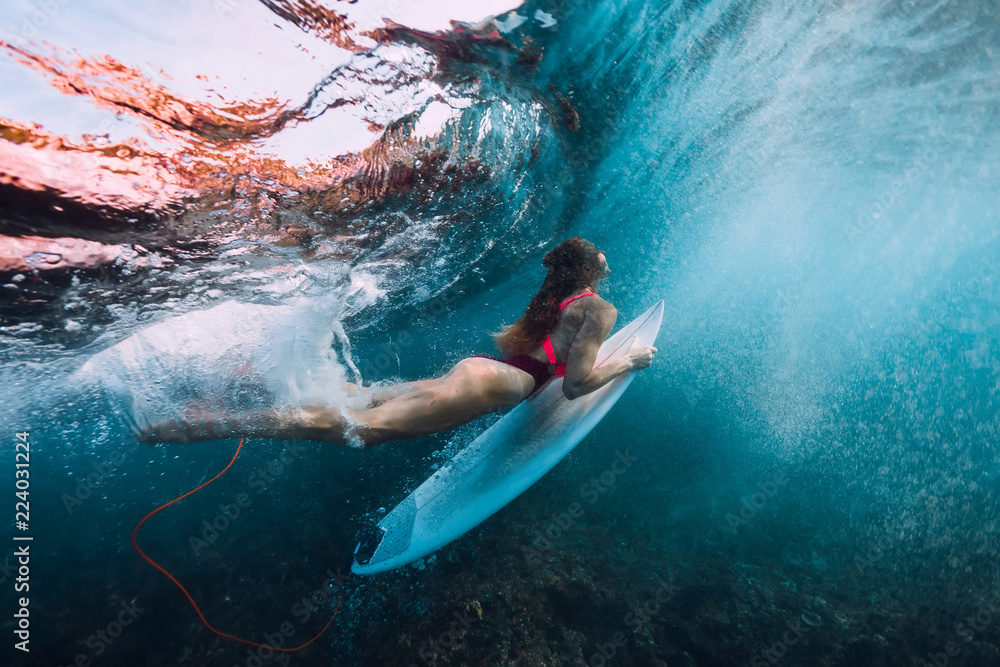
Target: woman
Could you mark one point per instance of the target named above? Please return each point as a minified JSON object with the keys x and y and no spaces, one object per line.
{"x":558,"y":335}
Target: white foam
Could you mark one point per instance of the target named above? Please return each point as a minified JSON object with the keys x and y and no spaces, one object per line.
{"x":234,"y":356}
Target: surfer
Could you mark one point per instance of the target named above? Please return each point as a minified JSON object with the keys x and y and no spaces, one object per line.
{"x":558,"y":335}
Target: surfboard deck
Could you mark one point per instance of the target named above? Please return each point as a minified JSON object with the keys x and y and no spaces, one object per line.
{"x":500,"y":464}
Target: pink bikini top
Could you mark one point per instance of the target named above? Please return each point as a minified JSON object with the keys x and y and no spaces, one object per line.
{"x":550,"y":353}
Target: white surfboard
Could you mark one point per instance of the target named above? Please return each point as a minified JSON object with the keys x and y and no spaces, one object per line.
{"x":500,"y":464}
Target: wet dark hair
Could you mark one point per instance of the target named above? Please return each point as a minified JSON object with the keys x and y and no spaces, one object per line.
{"x":573,"y":265}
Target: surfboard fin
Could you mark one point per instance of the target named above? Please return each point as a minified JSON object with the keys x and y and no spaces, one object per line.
{"x":369,"y":539}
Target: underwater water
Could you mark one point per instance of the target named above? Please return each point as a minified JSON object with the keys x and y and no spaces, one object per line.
{"x":243,"y":204}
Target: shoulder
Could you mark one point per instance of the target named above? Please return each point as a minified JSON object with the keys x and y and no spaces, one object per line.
{"x":591,"y":306}
{"x":592,"y":312}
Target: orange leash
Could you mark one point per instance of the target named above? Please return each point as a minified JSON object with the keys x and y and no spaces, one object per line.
{"x":188,"y":595}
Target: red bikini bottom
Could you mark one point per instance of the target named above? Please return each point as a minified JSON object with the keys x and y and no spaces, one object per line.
{"x":539,"y":370}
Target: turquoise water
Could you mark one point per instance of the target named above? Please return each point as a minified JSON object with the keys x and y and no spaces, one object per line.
{"x":810,"y":186}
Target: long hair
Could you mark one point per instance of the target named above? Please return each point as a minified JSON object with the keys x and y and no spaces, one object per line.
{"x":572,"y":265}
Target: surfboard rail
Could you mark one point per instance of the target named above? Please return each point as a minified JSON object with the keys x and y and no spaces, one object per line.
{"x":500,"y":464}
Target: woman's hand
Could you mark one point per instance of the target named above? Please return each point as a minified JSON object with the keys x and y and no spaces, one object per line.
{"x":640,"y":356}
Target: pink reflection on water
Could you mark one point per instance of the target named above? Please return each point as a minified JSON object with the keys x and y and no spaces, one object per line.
{"x":113,"y":85}
{"x":202,"y":166}
{"x":110,"y":175}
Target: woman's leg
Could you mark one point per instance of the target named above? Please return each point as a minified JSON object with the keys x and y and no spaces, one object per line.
{"x":205,"y":420}
{"x":474,"y":387}
{"x":379,"y":395}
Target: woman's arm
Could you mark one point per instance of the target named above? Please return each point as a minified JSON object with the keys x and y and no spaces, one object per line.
{"x":581,"y":376}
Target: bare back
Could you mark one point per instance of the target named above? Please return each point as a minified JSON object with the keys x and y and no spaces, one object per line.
{"x":581,"y":328}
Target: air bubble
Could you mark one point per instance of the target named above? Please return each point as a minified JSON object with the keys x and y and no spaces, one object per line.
{"x":811,"y":618}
